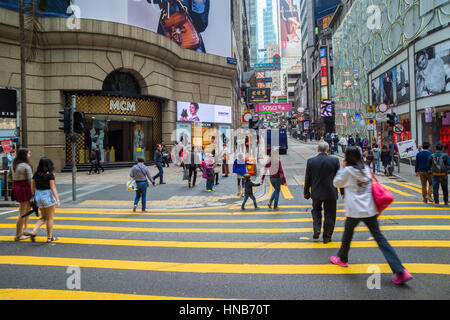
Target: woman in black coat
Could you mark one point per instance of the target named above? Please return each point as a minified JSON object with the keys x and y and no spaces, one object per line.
{"x":385,"y":159}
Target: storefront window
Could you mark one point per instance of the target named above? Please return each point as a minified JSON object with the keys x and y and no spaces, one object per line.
{"x":404,"y":120}
{"x":120,"y":139}
{"x":436,"y":127}
{"x":122,"y":128}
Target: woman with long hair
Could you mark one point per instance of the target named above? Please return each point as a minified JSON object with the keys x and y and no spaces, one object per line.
{"x":21,"y":173}
{"x":356,"y":179}
{"x":277,"y":178}
{"x":46,"y":197}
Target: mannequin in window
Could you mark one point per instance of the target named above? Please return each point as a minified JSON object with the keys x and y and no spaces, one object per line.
{"x":138,"y":142}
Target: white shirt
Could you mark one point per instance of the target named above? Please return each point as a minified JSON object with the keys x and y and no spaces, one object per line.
{"x":358,"y":199}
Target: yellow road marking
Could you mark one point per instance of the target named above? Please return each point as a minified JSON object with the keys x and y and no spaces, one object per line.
{"x":242,"y":245}
{"x":407,"y":186}
{"x":202,"y":230}
{"x":411,"y":186}
{"x":290,"y":220}
{"x":215,"y":268}
{"x":286,"y":193}
{"x":229,"y":212}
{"x":43,"y":294}
{"x":398,"y":191}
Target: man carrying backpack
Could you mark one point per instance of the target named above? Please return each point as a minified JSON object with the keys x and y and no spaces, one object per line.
{"x":439,"y":163}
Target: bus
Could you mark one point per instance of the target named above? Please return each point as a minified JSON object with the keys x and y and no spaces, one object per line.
{"x":283,"y":140}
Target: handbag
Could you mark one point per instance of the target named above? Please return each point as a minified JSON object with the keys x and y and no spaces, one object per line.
{"x":381,"y":195}
{"x":185,"y":174}
{"x":179,"y":28}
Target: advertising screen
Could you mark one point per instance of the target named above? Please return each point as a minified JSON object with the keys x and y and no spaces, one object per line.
{"x":433,"y":70}
{"x":201,"y":112}
{"x":209,"y":32}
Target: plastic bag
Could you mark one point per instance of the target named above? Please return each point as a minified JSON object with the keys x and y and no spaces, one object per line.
{"x":131,"y":185}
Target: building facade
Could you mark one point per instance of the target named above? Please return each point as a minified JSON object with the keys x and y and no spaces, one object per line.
{"x":399,"y":62}
{"x":126,"y":79}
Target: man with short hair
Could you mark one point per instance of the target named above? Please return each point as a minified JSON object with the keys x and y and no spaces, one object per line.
{"x":140,"y":173}
{"x":320,"y":172}
{"x":343,"y":142}
{"x":422,"y":172}
{"x":158,"y":158}
{"x":438,"y":163}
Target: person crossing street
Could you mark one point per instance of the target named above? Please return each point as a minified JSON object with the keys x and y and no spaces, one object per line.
{"x":320,"y":172}
{"x":158,"y":158}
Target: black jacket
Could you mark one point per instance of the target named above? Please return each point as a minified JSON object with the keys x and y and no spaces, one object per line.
{"x":158,"y":157}
{"x":249,"y":187}
{"x":320,"y":172}
{"x":98,"y":155}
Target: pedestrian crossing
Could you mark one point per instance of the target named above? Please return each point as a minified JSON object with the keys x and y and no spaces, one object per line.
{"x":212,"y":244}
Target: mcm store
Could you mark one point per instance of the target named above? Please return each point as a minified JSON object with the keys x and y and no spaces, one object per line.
{"x":123,"y":128}
{"x":206,"y":126}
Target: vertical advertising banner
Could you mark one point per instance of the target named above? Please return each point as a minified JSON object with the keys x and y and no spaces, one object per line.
{"x":199,"y":25}
{"x":184,"y":131}
{"x":224,"y":137}
{"x":290,"y":35}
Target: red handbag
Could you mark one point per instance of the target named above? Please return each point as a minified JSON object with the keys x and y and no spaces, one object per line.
{"x":381,"y":195}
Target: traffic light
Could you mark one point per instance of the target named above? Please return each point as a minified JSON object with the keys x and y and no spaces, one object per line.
{"x":65,"y":120}
{"x":79,"y":122}
{"x":392,"y":118}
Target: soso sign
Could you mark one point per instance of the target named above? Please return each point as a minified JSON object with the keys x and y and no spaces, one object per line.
{"x":274,"y":107}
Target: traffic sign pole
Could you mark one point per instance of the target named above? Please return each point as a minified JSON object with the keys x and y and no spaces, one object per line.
{"x":74,"y":149}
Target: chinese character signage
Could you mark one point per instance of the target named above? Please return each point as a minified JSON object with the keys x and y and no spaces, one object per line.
{"x":258,"y":95}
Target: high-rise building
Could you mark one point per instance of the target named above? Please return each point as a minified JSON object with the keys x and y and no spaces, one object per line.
{"x":252,"y":15}
{"x":317,"y":62}
{"x":270,"y":35}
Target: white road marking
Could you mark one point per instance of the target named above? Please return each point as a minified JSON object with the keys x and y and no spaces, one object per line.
{"x":8,"y":212}
{"x":89,"y":192}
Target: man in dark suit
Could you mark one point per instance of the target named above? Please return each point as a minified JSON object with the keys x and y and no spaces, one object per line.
{"x":320,"y":172}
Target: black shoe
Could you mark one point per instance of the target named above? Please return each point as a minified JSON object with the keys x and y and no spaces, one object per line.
{"x":162,"y":183}
{"x":326,"y":240}
{"x":316,"y":235}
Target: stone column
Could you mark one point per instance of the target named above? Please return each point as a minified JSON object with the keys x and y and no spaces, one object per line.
{"x":169,"y":118}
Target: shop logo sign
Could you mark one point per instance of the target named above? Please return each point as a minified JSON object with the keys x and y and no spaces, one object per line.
{"x":122,"y":106}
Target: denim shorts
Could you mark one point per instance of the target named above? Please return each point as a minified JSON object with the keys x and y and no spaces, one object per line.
{"x":44,"y":198}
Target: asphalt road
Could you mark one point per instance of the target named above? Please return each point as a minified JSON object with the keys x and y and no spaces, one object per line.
{"x":224,"y":253}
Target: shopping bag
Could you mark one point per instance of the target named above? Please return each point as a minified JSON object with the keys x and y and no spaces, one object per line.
{"x":381,"y":196}
{"x":131,"y":185}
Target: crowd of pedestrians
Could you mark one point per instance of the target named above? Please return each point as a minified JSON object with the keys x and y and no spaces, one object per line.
{"x":325,"y":179}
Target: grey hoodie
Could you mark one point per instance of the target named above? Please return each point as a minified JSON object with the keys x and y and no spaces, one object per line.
{"x":376,"y":153}
{"x":358,"y":198}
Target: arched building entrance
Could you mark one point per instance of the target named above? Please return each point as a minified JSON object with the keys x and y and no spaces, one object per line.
{"x":121,"y":122}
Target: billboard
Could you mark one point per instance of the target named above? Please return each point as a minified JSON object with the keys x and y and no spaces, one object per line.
{"x":290,"y":34}
{"x":200,"y":25}
{"x":201,"y":112}
{"x":433,"y":70}
{"x":402,"y":82}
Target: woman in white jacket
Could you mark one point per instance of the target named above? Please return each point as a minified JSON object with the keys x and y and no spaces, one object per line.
{"x":356,"y":178}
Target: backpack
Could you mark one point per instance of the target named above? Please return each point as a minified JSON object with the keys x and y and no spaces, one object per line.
{"x":438,"y":165}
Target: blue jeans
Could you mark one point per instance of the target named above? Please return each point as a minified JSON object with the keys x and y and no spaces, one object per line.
{"x":371,"y":223}
{"x":209,"y":184}
{"x":251,"y":196}
{"x":376,"y":163}
{"x":443,"y":182}
{"x":160,"y":173}
{"x":276,"y":184}
{"x":141,"y":192}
